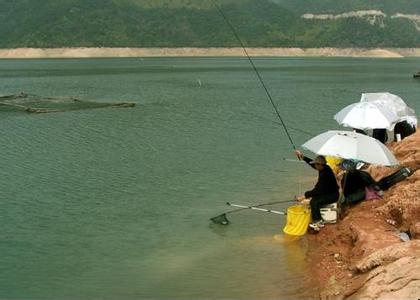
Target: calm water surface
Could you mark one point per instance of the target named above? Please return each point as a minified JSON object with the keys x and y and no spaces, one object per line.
{"x":115,"y":203}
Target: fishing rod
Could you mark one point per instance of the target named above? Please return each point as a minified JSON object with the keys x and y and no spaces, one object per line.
{"x":256,"y":71}
{"x":257,"y":208}
{"x":293,"y":160}
{"x":223,"y":220}
{"x":275,"y":122}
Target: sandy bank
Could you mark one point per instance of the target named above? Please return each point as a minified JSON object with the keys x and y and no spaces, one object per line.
{"x":363,"y":257}
{"x":158,"y":52}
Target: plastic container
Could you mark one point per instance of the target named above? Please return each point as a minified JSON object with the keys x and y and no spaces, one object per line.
{"x":329,"y":213}
{"x":298,"y":218}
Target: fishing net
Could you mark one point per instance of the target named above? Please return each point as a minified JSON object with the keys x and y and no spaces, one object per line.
{"x":220,"y":219}
{"x":40,"y":104}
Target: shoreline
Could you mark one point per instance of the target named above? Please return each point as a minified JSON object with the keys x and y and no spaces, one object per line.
{"x":88,"y":52}
{"x":363,"y":256}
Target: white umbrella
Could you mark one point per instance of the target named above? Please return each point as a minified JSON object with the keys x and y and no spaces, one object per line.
{"x":351,"y":145}
{"x":366,"y":115}
{"x":394,"y":103}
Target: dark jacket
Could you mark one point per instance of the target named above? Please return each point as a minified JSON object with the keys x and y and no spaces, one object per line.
{"x":380,"y":135}
{"x":404,"y":129}
{"x":326,"y":184}
{"x":356,"y":180}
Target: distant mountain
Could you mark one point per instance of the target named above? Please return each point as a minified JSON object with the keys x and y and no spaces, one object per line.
{"x":194,"y":23}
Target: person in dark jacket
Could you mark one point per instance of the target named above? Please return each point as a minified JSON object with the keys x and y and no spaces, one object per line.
{"x":404,"y":129}
{"x":380,"y":134}
{"x":325,"y":190}
{"x":355,"y":182}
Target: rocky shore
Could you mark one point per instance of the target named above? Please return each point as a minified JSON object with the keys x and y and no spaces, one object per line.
{"x":373,"y":252}
{"x":82,"y":52}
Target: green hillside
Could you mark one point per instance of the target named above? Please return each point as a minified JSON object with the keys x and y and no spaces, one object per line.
{"x":193,"y":23}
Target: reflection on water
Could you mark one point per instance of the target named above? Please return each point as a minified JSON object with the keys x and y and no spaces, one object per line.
{"x":294,"y":250}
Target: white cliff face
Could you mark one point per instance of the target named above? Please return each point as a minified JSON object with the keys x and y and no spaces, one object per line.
{"x":414,"y":18}
{"x":374,"y":17}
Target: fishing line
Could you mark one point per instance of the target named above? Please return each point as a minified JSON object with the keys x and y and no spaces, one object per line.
{"x":278,"y":123}
{"x":256,"y":71}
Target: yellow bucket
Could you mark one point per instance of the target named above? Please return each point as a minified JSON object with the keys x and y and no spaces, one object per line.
{"x":298,"y":218}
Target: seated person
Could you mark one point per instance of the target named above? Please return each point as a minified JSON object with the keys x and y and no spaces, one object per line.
{"x":404,"y":129}
{"x":356,"y":181}
{"x":325,"y":190}
{"x":380,"y":134}
{"x":354,"y":184}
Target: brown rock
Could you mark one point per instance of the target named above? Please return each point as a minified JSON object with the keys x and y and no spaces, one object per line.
{"x":384,"y":267}
{"x":415,"y":231}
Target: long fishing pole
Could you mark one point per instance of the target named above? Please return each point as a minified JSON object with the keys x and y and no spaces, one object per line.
{"x":257,"y":208}
{"x":256,"y":71}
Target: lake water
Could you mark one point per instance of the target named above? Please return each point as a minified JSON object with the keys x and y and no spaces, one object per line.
{"x":115,"y":202}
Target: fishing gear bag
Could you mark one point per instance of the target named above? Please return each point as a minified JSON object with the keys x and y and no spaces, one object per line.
{"x":388,"y":181}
